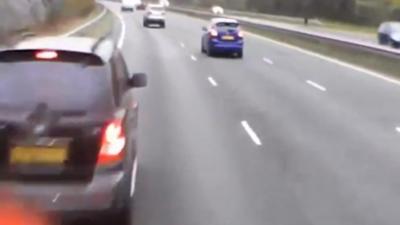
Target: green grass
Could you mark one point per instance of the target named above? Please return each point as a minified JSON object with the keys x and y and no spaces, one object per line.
{"x":341,"y":26}
{"x":77,"y":7}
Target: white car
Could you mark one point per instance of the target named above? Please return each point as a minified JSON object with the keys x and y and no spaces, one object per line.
{"x":389,"y":34}
{"x":165,"y":3}
{"x":129,"y":5}
{"x":155,"y":15}
{"x":217,"y":10}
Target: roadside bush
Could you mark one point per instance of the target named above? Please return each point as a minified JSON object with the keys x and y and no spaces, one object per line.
{"x":20,"y":15}
{"x":371,"y":14}
{"x":395,"y":14}
{"x":69,"y":8}
{"x":77,"y":7}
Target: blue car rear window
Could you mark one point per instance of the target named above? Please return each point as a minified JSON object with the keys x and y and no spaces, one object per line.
{"x":227,"y":26}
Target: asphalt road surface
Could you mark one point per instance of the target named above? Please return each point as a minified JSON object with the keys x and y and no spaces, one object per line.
{"x":277,"y":138}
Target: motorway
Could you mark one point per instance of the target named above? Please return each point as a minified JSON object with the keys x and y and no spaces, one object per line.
{"x":277,"y":138}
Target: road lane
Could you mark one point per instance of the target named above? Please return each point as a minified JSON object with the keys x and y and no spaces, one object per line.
{"x":324,"y":160}
{"x":343,"y":80}
{"x":347,"y":134}
{"x":373,"y":97}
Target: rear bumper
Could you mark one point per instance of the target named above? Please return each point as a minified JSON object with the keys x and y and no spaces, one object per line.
{"x":103,"y":193}
{"x":221,"y":46}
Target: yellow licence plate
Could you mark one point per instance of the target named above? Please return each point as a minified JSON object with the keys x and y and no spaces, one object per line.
{"x":228,"y":38}
{"x":38,"y":155}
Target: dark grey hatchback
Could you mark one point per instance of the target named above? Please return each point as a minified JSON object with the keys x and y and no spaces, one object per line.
{"x":68,"y":124}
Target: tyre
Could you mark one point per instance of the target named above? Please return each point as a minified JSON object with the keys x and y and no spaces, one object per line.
{"x":394,"y":44}
{"x":382,"y":39}
{"x":162,"y":25}
{"x":210,"y":52}
{"x":239,"y":54}
{"x":123,"y":214}
{"x":145,"y":24}
{"x":202,"y":48}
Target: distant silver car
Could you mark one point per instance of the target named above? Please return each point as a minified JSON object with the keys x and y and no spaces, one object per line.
{"x":128,"y":5}
{"x":155,"y":15}
{"x":389,"y":34}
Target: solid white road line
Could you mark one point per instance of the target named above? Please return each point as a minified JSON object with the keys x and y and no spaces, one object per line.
{"x":317,"y":86}
{"x":193,"y":58}
{"x":182,"y":45}
{"x":103,"y":13}
{"x":251,"y":133}
{"x":123,"y":31}
{"x":134,"y":175}
{"x":212,"y":82}
{"x":269,"y":61}
{"x":398,"y":129}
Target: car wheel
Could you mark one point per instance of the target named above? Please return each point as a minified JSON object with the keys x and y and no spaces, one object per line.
{"x":382,"y":39}
{"x":162,"y":25}
{"x":145,"y":24}
{"x":239,"y":54}
{"x":210,"y":51}
{"x":123,"y":215}
{"x":394,"y":44}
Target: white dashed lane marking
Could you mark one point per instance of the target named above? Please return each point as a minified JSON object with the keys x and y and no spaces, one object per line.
{"x":316,"y":85}
{"x":267,"y":60}
{"x":212,"y":82}
{"x":251,"y":133}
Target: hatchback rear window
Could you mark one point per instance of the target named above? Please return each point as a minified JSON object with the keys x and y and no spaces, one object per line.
{"x":61,"y":85}
{"x":227,"y":26}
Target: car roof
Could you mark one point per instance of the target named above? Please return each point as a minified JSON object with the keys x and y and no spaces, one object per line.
{"x":223,"y":20}
{"x":103,"y":49}
{"x":156,"y":5}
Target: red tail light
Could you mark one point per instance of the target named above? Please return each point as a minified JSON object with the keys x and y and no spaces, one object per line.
{"x":112,"y":143}
{"x":213,"y":33}
{"x":240,"y":33}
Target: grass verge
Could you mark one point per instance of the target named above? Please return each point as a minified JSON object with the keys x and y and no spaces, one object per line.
{"x":65,"y":24}
{"x":340,"y":26}
{"x":98,"y":29}
{"x":102,"y":27}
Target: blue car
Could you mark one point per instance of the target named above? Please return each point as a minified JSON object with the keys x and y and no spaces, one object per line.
{"x":223,"y":36}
